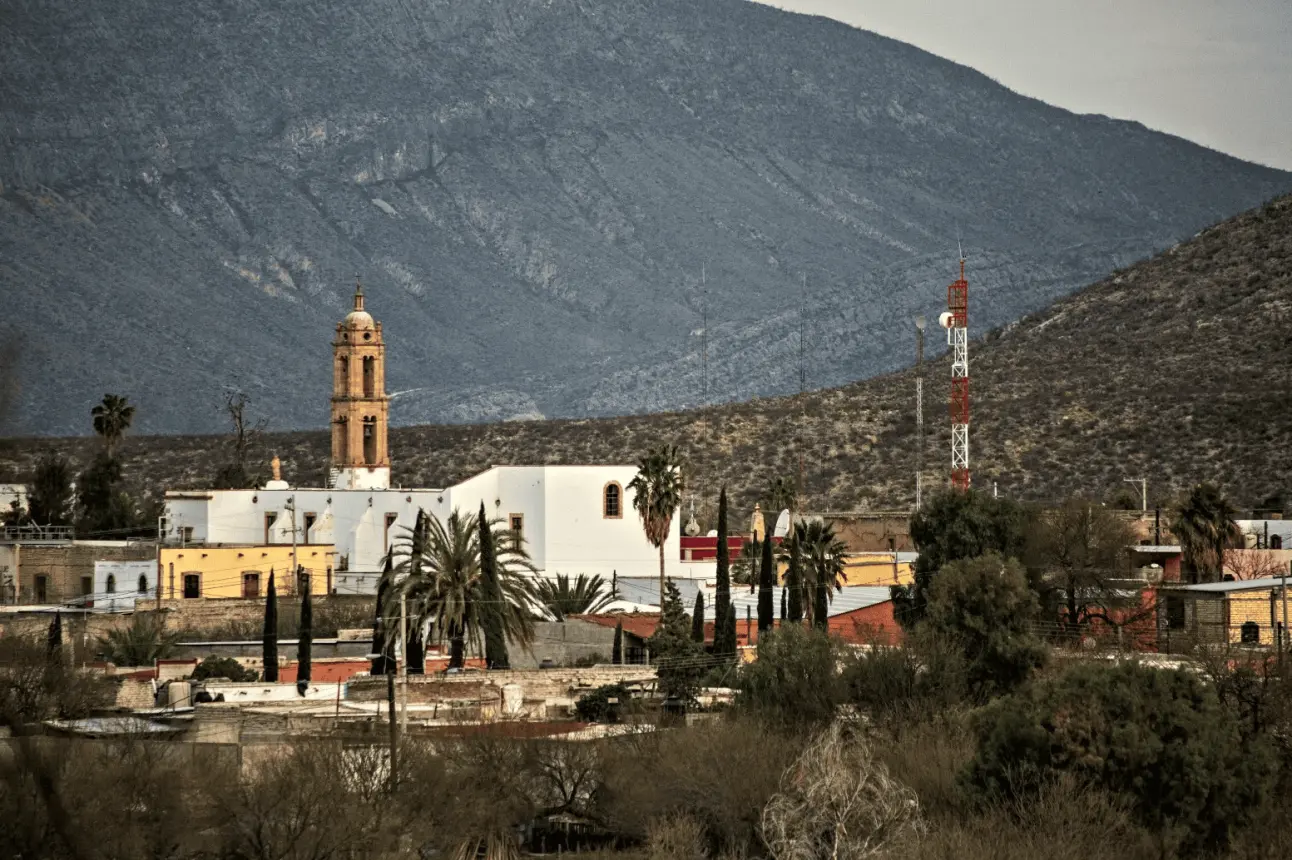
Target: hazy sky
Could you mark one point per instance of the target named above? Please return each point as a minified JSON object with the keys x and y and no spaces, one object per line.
{"x":1218,"y":72}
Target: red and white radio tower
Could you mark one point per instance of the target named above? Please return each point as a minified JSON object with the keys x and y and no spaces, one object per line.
{"x":956,"y":322}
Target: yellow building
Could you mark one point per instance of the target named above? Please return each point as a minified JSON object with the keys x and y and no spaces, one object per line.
{"x":241,"y":571}
{"x":878,"y":568}
{"x":1240,"y":612}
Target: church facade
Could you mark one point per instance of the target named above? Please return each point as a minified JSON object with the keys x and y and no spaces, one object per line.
{"x":572,"y":519}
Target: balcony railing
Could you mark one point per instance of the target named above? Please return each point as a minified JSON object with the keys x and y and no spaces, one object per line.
{"x":29,"y":532}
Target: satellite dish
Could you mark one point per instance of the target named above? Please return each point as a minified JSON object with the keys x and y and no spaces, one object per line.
{"x":944,"y":319}
{"x":782,"y":524}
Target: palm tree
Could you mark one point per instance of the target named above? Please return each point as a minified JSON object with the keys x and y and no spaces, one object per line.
{"x":822,"y":565}
{"x":587,"y":594}
{"x":1205,"y":526}
{"x":112,"y":419}
{"x":438,"y":573}
{"x":658,"y":490}
{"x":143,"y":642}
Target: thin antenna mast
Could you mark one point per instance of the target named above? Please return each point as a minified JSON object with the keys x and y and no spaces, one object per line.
{"x":919,"y":411}
{"x":798,"y":442}
{"x":956,"y":320}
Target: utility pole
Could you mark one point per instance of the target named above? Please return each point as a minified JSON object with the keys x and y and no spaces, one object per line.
{"x":291,"y":506}
{"x":403,"y":663}
{"x":920,"y":322}
{"x":1143,"y":492}
{"x":1283,"y":637}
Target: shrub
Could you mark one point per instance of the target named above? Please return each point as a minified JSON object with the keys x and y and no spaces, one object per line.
{"x":795,"y":679}
{"x":223,"y":667}
{"x":1160,"y":740}
{"x":596,"y":707}
{"x":985,"y":607}
{"x":893,"y":685}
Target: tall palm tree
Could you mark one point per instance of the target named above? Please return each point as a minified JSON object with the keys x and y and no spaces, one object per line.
{"x":437,"y":571}
{"x":583,"y":596}
{"x":112,"y":419}
{"x":1205,"y":526}
{"x":657,"y":494}
{"x":822,"y":565}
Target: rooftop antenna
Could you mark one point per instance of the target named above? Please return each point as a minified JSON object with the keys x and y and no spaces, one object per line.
{"x":798,"y":436}
{"x":920,"y":323}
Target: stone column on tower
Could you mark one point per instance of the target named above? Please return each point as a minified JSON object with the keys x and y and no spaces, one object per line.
{"x":360,"y":407}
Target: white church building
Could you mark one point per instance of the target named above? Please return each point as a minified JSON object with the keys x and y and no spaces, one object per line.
{"x":573,"y":519}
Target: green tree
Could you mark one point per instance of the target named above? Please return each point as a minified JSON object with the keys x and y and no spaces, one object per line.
{"x":1081,"y":550}
{"x":677,"y":657}
{"x":55,"y":639}
{"x":722,"y":588}
{"x":223,"y":667}
{"x":305,"y":638}
{"x":744,"y":567}
{"x":438,"y":572}
{"x":781,"y":494}
{"x":583,"y":596}
{"x":697,"y":619}
{"x":766,"y":584}
{"x":381,"y":662}
{"x":822,"y":566}
{"x":50,"y":497}
{"x":657,"y":494}
{"x":795,"y":680}
{"x":112,"y":419}
{"x":617,"y":648}
{"x":495,"y":637}
{"x":1159,"y":739}
{"x":142,"y":642}
{"x":956,"y":525}
{"x":792,"y":553}
{"x":728,"y":645}
{"x":987,"y":608}
{"x":103,"y":507}
{"x":269,"y":642}
{"x":1205,"y":527}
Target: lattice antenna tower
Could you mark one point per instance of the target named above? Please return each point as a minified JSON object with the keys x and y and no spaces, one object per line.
{"x":801,"y":490}
{"x":956,"y":321}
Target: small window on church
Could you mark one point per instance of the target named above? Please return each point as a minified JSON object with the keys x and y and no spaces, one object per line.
{"x":370,"y":441}
{"x":1276,"y":541}
{"x":343,"y":375}
{"x":143,"y":584}
{"x":309,"y":524}
{"x":111,"y":587}
{"x":516,"y":522}
{"x":390,"y":524}
{"x":270,"y":518}
{"x":612,"y":501}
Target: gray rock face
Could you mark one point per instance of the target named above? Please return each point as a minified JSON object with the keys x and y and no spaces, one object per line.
{"x":529,"y":191}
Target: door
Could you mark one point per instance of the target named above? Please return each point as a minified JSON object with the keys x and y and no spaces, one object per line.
{"x":251,"y":584}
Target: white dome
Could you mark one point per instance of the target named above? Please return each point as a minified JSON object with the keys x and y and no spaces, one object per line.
{"x":359,"y":319}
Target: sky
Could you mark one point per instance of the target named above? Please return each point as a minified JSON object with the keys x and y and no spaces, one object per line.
{"x":1217,"y":72}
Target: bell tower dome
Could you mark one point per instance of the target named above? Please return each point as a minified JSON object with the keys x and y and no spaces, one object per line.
{"x":360,"y":407}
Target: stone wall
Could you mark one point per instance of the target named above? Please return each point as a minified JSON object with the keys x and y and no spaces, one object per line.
{"x":67,"y":567}
{"x":547,"y":685}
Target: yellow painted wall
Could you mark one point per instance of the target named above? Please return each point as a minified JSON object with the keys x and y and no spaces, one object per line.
{"x":876,"y":568}
{"x":1247,"y":606}
{"x":221,"y":568}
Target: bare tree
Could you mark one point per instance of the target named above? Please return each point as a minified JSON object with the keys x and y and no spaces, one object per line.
{"x":1247,"y":564}
{"x":234,"y":475}
{"x":837,"y":802}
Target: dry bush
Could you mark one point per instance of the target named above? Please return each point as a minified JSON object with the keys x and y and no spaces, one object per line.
{"x":721,"y":774}
{"x":36,"y":686}
{"x":675,"y":837}
{"x":1064,"y":822}
{"x":928,"y":755}
{"x":838,"y":802}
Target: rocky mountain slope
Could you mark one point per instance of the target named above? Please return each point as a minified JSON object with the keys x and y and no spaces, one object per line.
{"x":1174,"y":369}
{"x":530,"y":191}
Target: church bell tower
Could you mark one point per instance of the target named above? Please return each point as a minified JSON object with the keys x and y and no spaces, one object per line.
{"x":360,"y":407}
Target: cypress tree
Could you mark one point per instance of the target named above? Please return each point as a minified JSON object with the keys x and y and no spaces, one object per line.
{"x":722,"y":593}
{"x":416,"y":652}
{"x":821,"y":604}
{"x":794,"y":580}
{"x":380,"y":662}
{"x":783,"y":590}
{"x":697,"y":618}
{"x":270,"y":652}
{"x":55,"y":645}
{"x":617,"y":650}
{"x":305,"y":640}
{"x":496,"y":656}
{"x":729,"y":632}
{"x":766,"y":582}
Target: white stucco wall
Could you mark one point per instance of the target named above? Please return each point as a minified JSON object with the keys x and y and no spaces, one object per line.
{"x":564,"y":528}
{"x":126,"y":584}
{"x":1281,"y":528}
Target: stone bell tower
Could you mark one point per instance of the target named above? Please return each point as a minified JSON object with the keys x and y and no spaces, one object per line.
{"x":360,"y":407}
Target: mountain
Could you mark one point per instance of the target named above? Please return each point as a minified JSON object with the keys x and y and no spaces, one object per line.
{"x":530,"y":192}
{"x":1174,"y":370}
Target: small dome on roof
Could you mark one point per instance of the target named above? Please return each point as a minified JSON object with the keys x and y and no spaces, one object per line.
{"x":359,"y":318}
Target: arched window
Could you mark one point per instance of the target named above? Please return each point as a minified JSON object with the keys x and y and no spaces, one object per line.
{"x":143,"y":584}
{"x":1276,"y":541}
{"x":369,"y":376}
{"x":111,"y":587}
{"x":370,"y":441}
{"x":1251,"y":633}
{"x":343,"y":376}
{"x":612,"y":501}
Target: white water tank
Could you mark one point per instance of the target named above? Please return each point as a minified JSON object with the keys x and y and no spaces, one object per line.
{"x":513,"y":699}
